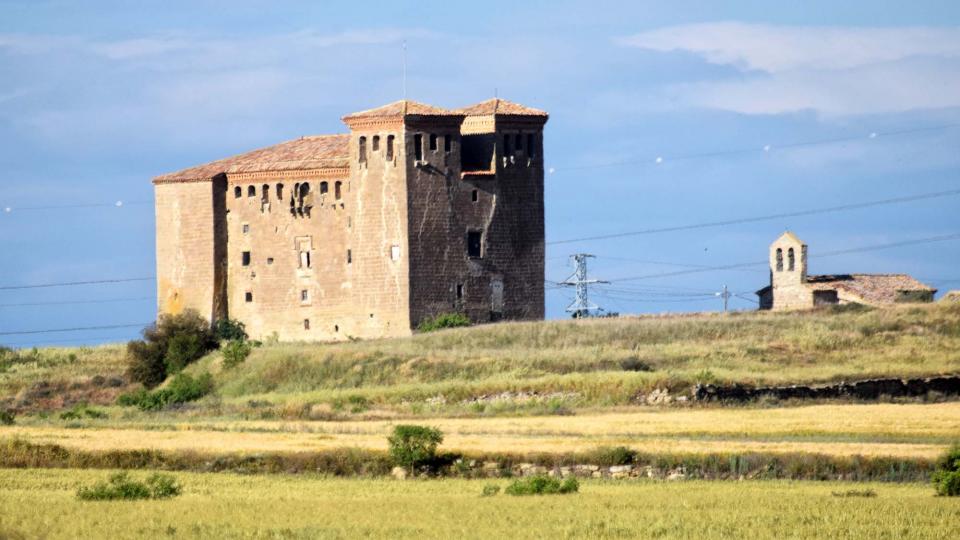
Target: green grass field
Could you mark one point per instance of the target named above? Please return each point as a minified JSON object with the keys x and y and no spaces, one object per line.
{"x":42,"y":504}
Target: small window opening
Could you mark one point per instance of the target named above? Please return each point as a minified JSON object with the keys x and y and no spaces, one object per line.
{"x":475,"y":195}
{"x":507,"y":148}
{"x":304,"y":259}
{"x":245,"y":258}
{"x":447,"y":143}
{"x":519,"y":142}
{"x":779,"y":260}
{"x":306,"y":324}
{"x":375,"y":144}
{"x":304,"y":295}
{"x":349,"y":256}
{"x":530,"y":145}
{"x":238,"y":192}
{"x":418,"y":146}
{"x":248,"y":296}
{"x":389,"y":147}
{"x":265,"y":193}
{"x":433,"y":142}
{"x":246,"y":228}
{"x":395,"y":253}
{"x":269,"y":260}
{"x":474,"y":244}
{"x":338,"y":190}
{"x":336,"y":328}
{"x":790,"y":260}
{"x":363,"y":149}
{"x":279,"y":192}
{"x":324,"y":187}
{"x":251,"y":191}
{"x":459,"y":291}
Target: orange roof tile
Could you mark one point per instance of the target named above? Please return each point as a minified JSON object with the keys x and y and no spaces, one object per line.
{"x":311,"y":152}
{"x":496,"y":106}
{"x":878,"y":288}
{"x":404,"y":107}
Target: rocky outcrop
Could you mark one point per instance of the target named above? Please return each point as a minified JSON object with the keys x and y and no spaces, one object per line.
{"x":870,"y":389}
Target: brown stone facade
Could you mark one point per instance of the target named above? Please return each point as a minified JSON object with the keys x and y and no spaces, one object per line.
{"x":363,"y":235}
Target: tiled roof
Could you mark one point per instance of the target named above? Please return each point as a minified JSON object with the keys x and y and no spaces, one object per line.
{"x":312,"y":152}
{"x":878,"y":288}
{"x":500,"y":106}
{"x":404,"y":107}
{"x":790,"y":236}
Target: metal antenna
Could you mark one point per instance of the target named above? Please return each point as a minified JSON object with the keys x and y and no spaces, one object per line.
{"x":726,"y":297}
{"x":581,"y":306}
{"x":404,"y":69}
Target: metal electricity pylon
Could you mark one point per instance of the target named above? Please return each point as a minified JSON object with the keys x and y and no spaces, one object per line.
{"x":581,"y":306}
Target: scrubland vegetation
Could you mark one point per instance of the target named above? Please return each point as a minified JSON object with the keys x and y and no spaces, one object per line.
{"x":42,"y":503}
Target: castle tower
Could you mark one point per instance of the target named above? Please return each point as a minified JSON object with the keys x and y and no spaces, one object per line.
{"x":788,"y":272}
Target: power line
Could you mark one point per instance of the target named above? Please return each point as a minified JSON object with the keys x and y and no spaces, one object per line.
{"x":22,"y":344}
{"x":765,"y":149}
{"x":769,"y":217}
{"x":78,"y":302}
{"x":931,"y":239}
{"x":73,"y":283}
{"x":79,"y":329}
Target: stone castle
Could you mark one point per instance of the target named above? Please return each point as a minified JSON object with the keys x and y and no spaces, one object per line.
{"x":792,"y":288}
{"x":415,"y":212}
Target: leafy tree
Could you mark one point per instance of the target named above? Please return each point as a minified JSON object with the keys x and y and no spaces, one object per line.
{"x":168,"y":346}
{"x":412,"y":447}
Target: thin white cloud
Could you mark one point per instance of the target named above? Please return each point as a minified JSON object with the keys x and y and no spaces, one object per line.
{"x":783,"y":48}
{"x":833,"y":71}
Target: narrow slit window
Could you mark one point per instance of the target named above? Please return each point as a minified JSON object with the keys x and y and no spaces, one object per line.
{"x":507,"y":148}
{"x":790,"y":260}
{"x":389,"y":147}
{"x":349,"y":256}
{"x":375,"y":144}
{"x":433,"y":142}
{"x":338,"y":190}
{"x":779,"y":260}
{"x":304,"y":295}
{"x":246,"y":228}
{"x":475,"y":195}
{"x":279,"y":192}
{"x":418,"y":146}
{"x":518,"y":142}
{"x":245,"y":258}
{"x":306,"y":324}
{"x":474,"y":244}
{"x":248,"y":296}
{"x":530,"y":145}
{"x":265,"y":193}
{"x":459,"y":291}
{"x":447,"y":143}
{"x":363,"y":149}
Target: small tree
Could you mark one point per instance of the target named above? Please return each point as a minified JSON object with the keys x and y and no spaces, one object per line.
{"x":235,"y":352}
{"x":412,"y":447}
{"x":168,"y":346}
{"x":230,"y":330}
{"x":946,"y":479}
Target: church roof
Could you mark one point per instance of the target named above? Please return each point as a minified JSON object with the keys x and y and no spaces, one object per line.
{"x":873,"y":288}
{"x":404,"y":107}
{"x":788,"y":235}
{"x":497,"y":106}
{"x":311,"y":152}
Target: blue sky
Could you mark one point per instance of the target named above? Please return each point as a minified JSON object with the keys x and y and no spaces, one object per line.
{"x":98,"y":97}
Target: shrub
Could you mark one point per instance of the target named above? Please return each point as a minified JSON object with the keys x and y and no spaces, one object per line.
{"x":171,"y":344}
{"x":235,"y":352}
{"x":82,"y":410}
{"x":230,"y":330}
{"x":617,"y":455}
{"x":182,"y":388}
{"x":867,"y":493}
{"x":542,"y":485}
{"x":490,"y":490}
{"x":412,"y":447}
{"x":444,"y":320}
{"x":6,"y":418}
{"x":946,"y":479}
{"x":121,"y":487}
{"x":634,"y":364}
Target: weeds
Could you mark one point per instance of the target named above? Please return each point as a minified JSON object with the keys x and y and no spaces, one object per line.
{"x":121,"y":487}
{"x":442,"y":321}
{"x":865,"y":493}
{"x":81,"y":411}
{"x":946,"y":479}
{"x":182,"y":388}
{"x":542,"y":485}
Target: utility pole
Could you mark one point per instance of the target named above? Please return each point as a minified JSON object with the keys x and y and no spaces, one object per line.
{"x":726,"y":297}
{"x":581,"y":306}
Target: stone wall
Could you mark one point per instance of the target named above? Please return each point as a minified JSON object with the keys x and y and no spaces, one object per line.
{"x":869,"y":389}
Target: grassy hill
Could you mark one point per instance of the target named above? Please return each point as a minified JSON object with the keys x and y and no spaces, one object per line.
{"x":549,"y":367}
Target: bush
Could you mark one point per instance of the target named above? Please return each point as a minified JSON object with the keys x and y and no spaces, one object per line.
{"x":235,"y":352}
{"x":412,"y":447}
{"x":490,"y":490}
{"x":121,"y":487}
{"x":230,"y":330}
{"x":610,"y":456}
{"x":81,"y":411}
{"x":946,"y":479}
{"x":6,"y":418}
{"x":444,"y":320}
{"x":182,"y":388}
{"x":542,"y":485}
{"x":170,"y":345}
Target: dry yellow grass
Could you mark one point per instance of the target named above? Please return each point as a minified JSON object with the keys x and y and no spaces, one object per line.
{"x":898,"y":430}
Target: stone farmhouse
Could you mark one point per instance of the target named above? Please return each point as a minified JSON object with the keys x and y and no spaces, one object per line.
{"x":417,"y":211}
{"x":792,"y":288}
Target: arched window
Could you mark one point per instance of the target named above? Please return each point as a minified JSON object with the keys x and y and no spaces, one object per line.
{"x":324,"y":187}
{"x":433,"y":142}
{"x":304,"y":189}
{"x":252,"y":191}
{"x":265,"y":193}
{"x":363,"y":149}
{"x":375,"y":145}
{"x":389,"y":147}
{"x":337,"y":191}
{"x":790,"y":260}
{"x":238,"y":192}
{"x":779,"y":260}
{"x":279,"y":192}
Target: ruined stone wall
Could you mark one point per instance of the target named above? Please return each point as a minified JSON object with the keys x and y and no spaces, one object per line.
{"x":186,"y":248}
{"x":506,"y":281}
